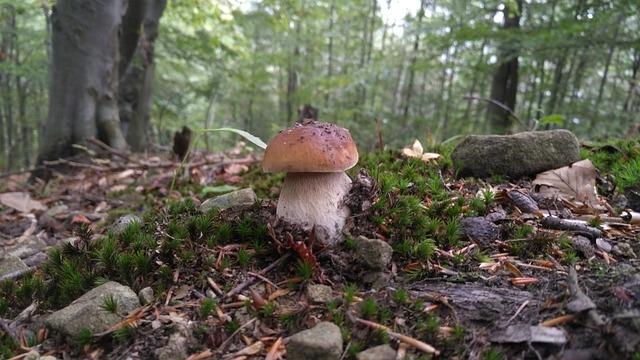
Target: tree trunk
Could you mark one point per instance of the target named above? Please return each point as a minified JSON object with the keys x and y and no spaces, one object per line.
{"x":504,"y":86}
{"x":84,"y":77}
{"x":412,"y":62}
{"x":330,"y":52}
{"x":635,"y":66}
{"x":139,"y":32}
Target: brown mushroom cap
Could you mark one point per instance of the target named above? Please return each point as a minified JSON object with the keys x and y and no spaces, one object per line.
{"x":311,"y":147}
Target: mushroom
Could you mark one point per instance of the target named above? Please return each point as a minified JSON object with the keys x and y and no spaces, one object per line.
{"x":315,"y":156}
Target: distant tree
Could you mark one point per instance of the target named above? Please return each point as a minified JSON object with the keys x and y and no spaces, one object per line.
{"x":504,"y":86}
{"x":85,"y":72}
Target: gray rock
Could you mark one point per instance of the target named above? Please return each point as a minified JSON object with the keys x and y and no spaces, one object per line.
{"x":320,"y":293}
{"x":238,"y":198}
{"x":522,"y":154}
{"x":48,"y":357}
{"x":10,"y":264}
{"x":176,"y":347}
{"x":124,"y":221}
{"x":29,"y":246}
{"x":479,"y":230}
{"x":380,"y":352}
{"x":146,"y":295}
{"x":322,"y":342}
{"x":373,"y":253}
{"x":377,"y":279}
{"x":86,"y":312}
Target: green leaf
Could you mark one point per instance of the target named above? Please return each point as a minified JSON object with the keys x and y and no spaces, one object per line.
{"x":218,"y":189}
{"x":553,"y":119}
{"x":252,"y":138}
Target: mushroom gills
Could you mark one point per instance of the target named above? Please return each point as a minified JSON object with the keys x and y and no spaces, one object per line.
{"x":309,"y":199}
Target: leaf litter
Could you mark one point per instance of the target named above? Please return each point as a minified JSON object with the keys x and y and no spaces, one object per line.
{"x":520,"y":289}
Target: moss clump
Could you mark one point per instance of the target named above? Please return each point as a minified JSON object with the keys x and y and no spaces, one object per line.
{"x":620,"y":158}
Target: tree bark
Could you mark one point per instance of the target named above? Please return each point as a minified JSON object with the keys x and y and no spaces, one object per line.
{"x":139,"y":32}
{"x":84,"y":77}
{"x":635,"y":66}
{"x":504,"y":86}
{"x":412,"y":62}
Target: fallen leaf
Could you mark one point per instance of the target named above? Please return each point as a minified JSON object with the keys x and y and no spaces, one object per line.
{"x":21,"y":201}
{"x":574,"y":182}
{"x":417,"y":151}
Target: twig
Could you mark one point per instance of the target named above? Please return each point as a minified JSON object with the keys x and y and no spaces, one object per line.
{"x":108,"y":148}
{"x":225,"y":343}
{"x":252,"y":279}
{"x":422,"y":346}
{"x":496,"y":103}
{"x":263,"y":279}
{"x":517,"y":312}
{"x":553,"y":222}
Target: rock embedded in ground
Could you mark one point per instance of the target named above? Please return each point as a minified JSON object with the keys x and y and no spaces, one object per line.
{"x":374,"y":253}
{"x":10,"y":264}
{"x":380,"y":352}
{"x":238,"y":198}
{"x":29,"y":246}
{"x":514,"y":156}
{"x":178,"y":343}
{"x":479,"y":230}
{"x":87,"y":311}
{"x":124,"y":221}
{"x":320,"y":293}
{"x":146,"y":295}
{"x":322,"y":342}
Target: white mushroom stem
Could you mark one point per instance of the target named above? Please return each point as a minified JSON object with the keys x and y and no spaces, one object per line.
{"x":309,"y":199}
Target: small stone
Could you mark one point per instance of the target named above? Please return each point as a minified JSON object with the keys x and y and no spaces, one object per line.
{"x":87,"y":312}
{"x":374,"y":253}
{"x":322,"y":342}
{"x":32,"y":355}
{"x":176,"y":347}
{"x":29,"y":246}
{"x":319,"y":293}
{"x":57,"y":210}
{"x":124,"y":221}
{"x":526,"y":153}
{"x":238,"y":198}
{"x":624,"y":249}
{"x":48,"y":357}
{"x":479,"y":230}
{"x":380,"y":352}
{"x":146,"y":295}
{"x":377,"y":279}
{"x":211,"y":294}
{"x":10,"y":264}
{"x":156,"y":324}
{"x":583,"y":246}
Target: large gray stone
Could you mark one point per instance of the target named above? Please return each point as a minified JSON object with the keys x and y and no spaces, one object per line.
{"x":124,"y":221}
{"x":322,"y":342}
{"x":10,"y":264}
{"x":373,"y":253}
{"x":86,"y":312}
{"x":238,"y":198}
{"x":513,"y":156}
{"x":380,"y":352}
{"x":320,"y":293}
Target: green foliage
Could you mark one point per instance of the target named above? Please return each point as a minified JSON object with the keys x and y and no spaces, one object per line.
{"x":207,"y":307}
{"x":368,"y":308}
{"x":110,"y":304}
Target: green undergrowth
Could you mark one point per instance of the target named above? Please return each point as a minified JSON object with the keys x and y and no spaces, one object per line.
{"x":178,"y":237}
{"x":416,"y":210}
{"x":618,"y":158}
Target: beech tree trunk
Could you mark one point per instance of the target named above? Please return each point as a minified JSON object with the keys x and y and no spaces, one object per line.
{"x":84,"y":77}
{"x":505,"y":80}
{"x":139,"y":32}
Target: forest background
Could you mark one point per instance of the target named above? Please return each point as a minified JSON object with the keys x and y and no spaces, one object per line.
{"x":405,"y":69}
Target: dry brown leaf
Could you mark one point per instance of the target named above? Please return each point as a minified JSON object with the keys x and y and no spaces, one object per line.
{"x":21,"y":201}
{"x":576,"y":182}
{"x":417,"y":151}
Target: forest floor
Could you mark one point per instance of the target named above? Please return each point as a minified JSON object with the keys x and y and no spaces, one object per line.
{"x":506,"y":285}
